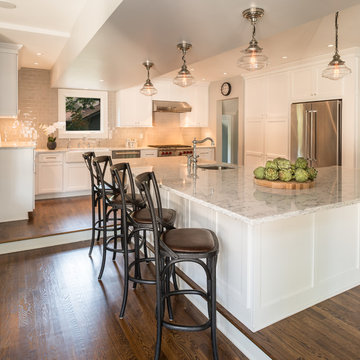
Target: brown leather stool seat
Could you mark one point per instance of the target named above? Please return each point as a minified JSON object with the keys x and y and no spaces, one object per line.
{"x":190,"y":240}
{"x":135,"y":200}
{"x":143,"y":216}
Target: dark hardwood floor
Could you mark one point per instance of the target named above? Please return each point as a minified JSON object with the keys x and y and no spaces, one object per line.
{"x":53,"y":307}
{"x":53,"y":216}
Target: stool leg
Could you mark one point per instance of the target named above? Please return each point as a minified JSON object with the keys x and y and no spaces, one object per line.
{"x":93,"y":203}
{"x":167,"y":289}
{"x":213,"y":306}
{"x":115,"y":234}
{"x":145,"y":247}
{"x":99,"y":217}
{"x":137,"y":257}
{"x":104,"y":248}
{"x":126,"y":273}
{"x":159,"y":311}
{"x":173,"y":273}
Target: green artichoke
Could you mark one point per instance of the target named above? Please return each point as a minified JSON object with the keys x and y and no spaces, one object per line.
{"x":259,"y":172}
{"x":301,"y":175}
{"x":285,"y":174}
{"x":301,"y":163}
{"x":271,"y":165}
{"x":312,"y":173}
{"x":283,"y":163}
{"x":271,"y":174}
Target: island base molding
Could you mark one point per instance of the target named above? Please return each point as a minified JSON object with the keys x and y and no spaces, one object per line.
{"x":271,"y":270}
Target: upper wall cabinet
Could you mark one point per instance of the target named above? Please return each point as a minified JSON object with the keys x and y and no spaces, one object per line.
{"x":135,"y":110}
{"x":9,"y":79}
{"x":307,"y":84}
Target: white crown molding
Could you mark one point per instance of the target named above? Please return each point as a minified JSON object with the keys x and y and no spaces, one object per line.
{"x":10,"y":47}
{"x":35,"y":30}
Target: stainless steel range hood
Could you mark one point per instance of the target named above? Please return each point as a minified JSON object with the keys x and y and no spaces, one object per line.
{"x":171,"y":106}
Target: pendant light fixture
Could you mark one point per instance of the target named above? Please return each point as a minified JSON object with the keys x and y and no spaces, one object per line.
{"x":253,"y":58}
{"x":148,"y":89}
{"x":184,"y":77}
{"x":336,"y":68}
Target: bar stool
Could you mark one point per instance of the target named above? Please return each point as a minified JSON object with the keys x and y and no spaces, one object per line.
{"x":140,"y":221}
{"x":176,"y":246}
{"x":112,"y":202}
{"x":96,"y":193}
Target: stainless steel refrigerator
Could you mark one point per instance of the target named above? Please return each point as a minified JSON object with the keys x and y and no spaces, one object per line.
{"x":316,"y":132}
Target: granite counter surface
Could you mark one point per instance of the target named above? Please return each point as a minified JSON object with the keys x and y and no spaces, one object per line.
{"x":234,"y":193}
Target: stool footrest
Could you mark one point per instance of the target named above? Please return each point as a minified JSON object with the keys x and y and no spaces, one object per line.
{"x":173,"y":326}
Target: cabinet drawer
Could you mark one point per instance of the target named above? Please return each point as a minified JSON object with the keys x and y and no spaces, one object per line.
{"x":50,"y":158}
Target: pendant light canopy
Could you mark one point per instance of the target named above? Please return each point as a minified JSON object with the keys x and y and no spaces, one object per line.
{"x":148,"y":89}
{"x":184,"y":77}
{"x":336,"y":68}
{"x":253,"y":58}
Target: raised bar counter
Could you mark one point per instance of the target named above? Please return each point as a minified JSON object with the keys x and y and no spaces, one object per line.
{"x":281,"y":251}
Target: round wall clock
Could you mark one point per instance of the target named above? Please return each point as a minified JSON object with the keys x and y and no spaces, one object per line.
{"x":225,"y":89}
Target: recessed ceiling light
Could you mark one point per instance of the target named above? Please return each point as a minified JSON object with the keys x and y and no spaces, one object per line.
{"x":39,"y":53}
{"x":330,"y":45}
{"x":225,"y":73}
{"x":7,"y":5}
{"x":203,"y":79}
{"x":36,"y":63}
{"x":101,"y":80}
{"x":284,"y":57}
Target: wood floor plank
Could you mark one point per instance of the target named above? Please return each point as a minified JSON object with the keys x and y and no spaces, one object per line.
{"x":55,"y":308}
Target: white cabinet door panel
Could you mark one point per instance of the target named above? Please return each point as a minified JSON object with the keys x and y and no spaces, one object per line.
{"x":76,"y":177}
{"x":50,"y":178}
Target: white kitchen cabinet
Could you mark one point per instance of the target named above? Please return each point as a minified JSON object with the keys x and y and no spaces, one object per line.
{"x":76,"y":177}
{"x":199,"y":102}
{"x":307,"y":84}
{"x":8,"y":80}
{"x":205,"y":153}
{"x":267,"y":111}
{"x":146,"y":153}
{"x":133,"y":109}
{"x":163,"y":89}
{"x":49,"y":173}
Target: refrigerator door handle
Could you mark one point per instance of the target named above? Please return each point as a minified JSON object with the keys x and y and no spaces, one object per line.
{"x":314,"y":135}
{"x":306,"y":150}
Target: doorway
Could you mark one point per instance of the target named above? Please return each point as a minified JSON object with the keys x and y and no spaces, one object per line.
{"x":229,"y":130}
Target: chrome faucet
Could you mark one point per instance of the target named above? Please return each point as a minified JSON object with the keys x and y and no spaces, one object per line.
{"x":193,"y":159}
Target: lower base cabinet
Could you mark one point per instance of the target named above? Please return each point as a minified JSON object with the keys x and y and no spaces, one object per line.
{"x":76,"y":177}
{"x":206,"y":153}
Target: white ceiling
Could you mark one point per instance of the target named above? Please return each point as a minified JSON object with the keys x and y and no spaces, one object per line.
{"x":141,"y":29}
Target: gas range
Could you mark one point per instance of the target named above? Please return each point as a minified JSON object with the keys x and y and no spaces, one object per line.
{"x":173,"y":150}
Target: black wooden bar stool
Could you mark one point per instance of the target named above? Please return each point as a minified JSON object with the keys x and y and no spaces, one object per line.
{"x":112,"y":202}
{"x":96,"y":193}
{"x":175,"y":246}
{"x":140,"y":221}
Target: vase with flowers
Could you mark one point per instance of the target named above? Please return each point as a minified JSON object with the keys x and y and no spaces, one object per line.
{"x":49,"y":131}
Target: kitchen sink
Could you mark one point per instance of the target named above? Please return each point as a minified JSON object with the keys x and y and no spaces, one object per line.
{"x":215,"y":167}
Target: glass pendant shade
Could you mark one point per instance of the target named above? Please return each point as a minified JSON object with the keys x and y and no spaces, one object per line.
{"x":184,"y":77}
{"x":253,"y":57}
{"x":148,"y":89}
{"x":336,"y":68}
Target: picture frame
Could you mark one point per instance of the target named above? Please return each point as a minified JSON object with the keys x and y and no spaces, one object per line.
{"x":83,"y":113}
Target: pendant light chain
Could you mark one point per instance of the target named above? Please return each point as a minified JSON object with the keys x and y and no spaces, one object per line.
{"x":336,"y":33}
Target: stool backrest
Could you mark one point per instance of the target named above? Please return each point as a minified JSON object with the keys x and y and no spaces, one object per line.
{"x":88,"y":159}
{"x":101,"y":163}
{"x":121,"y":173}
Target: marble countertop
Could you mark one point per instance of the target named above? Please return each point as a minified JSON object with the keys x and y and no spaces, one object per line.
{"x":16,"y":145}
{"x":234,"y":193}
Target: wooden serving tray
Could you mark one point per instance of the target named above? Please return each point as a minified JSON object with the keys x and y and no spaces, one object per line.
{"x":284,"y":185}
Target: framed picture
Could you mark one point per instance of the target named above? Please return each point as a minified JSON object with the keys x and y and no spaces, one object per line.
{"x":84,"y":113}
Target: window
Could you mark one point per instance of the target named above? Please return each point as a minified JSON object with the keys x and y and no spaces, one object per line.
{"x":84,"y":113}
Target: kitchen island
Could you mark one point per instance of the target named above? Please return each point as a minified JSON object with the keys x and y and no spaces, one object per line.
{"x":16,"y":180}
{"x":281,"y":251}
